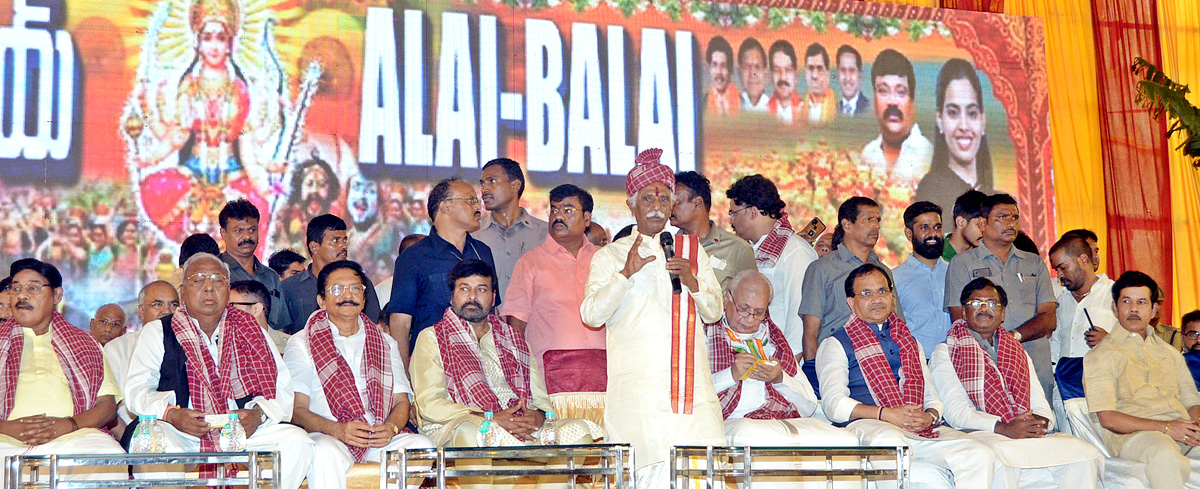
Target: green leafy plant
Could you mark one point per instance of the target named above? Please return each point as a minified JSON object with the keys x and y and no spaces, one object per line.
{"x":1161,"y":95}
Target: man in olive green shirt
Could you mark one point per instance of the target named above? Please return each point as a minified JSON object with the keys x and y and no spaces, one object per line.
{"x":693,"y":200}
{"x":1141,"y":390}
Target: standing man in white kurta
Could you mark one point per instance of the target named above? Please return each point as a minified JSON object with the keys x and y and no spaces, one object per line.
{"x":986,"y":384}
{"x":352,"y":393}
{"x":660,"y":390}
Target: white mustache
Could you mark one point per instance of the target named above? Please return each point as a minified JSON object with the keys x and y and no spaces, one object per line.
{"x":656,"y":214}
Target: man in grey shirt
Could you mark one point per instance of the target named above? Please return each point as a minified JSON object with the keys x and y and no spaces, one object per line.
{"x":823,"y":305}
{"x":239,"y":229}
{"x":1030,"y":313}
{"x":509,"y":230}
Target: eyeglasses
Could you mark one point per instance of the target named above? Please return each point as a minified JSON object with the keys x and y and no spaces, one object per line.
{"x":109,"y":323}
{"x":566,"y":211}
{"x":733,"y":212}
{"x":198,"y":279}
{"x":474,"y":201}
{"x":750,"y":312}
{"x":979,"y":303}
{"x":868,"y":294}
{"x":339,"y":289}
{"x":1192,"y":335}
{"x":159,"y":304}
{"x":31,"y":287}
{"x":244,"y":304}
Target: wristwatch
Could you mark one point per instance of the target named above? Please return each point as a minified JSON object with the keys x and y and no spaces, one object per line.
{"x":1017,"y":335}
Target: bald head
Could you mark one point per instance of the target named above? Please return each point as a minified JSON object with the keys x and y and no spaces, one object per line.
{"x":108,"y":323}
{"x":746,"y":301}
{"x":157,"y":299}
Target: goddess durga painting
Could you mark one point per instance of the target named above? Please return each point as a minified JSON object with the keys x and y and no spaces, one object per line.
{"x":211,"y":117}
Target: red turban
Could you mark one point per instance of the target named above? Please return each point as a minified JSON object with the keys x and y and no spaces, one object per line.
{"x":646,"y":171}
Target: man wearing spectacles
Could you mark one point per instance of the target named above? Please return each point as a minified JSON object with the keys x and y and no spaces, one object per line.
{"x":107,"y":324}
{"x":757,"y":215}
{"x":543,"y":303}
{"x":55,"y":390}
{"x":327,"y":241}
{"x":352,"y":392}
{"x":419,"y":292}
{"x":1031,"y":316}
{"x":987,"y":383}
{"x":764,"y":399}
{"x":210,"y":358}
{"x":155,"y":300}
{"x":508,"y":229}
{"x":1191,"y":343}
{"x":874,"y":381}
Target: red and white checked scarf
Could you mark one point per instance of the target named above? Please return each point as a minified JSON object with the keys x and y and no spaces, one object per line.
{"x":465,"y":378}
{"x":721,"y":356}
{"x":337,"y":380}
{"x":1000,"y":388}
{"x":247,"y":366}
{"x":772,"y":246}
{"x":647,"y":170}
{"x":683,"y":333}
{"x":878,"y":373}
{"x":78,"y":353}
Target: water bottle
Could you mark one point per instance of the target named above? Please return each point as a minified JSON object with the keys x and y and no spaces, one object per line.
{"x":487,"y":436}
{"x":233,"y":436}
{"x":550,"y":429}
{"x":143,"y":435}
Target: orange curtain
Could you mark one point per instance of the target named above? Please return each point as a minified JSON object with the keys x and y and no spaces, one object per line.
{"x":1074,"y":104}
{"x":1180,"y":37}
{"x":990,"y":6}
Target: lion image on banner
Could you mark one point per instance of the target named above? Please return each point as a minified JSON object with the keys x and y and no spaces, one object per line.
{"x":211,"y":117}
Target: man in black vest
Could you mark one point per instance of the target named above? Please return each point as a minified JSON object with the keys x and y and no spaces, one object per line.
{"x":209,"y":360}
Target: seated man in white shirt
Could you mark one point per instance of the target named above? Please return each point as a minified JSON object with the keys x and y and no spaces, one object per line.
{"x":755,"y":373}
{"x":764,"y":400}
{"x":352,"y":393}
{"x":983,"y":376}
{"x":210,"y":358}
{"x":874,"y":382}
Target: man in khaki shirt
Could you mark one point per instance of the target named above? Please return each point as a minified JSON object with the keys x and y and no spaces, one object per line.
{"x":1141,"y":389}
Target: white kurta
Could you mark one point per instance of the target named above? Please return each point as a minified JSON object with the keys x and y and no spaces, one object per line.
{"x":332,"y":459}
{"x":972,"y":463}
{"x":143,"y":397}
{"x":786,"y":278}
{"x":117,"y":354}
{"x":637,"y":312}
{"x":1072,"y":461}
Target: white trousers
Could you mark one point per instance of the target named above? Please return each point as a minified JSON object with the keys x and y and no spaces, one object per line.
{"x":88,"y":442}
{"x":1057,"y":460}
{"x":292,"y":442}
{"x":331,"y":459}
{"x":972,"y":463}
{"x":798,"y":432}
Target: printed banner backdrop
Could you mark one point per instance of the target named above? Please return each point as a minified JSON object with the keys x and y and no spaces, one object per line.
{"x":127,"y":124}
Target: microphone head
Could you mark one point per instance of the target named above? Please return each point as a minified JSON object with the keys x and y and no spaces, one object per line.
{"x":666,"y":239}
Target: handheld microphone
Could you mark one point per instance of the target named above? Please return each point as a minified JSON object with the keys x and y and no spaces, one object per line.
{"x":668,"y":245}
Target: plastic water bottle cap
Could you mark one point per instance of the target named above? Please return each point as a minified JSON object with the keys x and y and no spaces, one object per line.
{"x":487,"y":415}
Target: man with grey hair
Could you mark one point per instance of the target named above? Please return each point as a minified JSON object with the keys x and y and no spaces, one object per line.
{"x":764,"y":399}
{"x":654,"y":305}
{"x":155,"y":300}
{"x":209,"y":358}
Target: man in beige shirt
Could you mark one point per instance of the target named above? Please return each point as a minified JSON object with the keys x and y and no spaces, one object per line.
{"x":470,"y":362}
{"x":1141,"y":389}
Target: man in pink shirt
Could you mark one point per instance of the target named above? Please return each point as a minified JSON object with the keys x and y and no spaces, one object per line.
{"x":570,"y":353}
